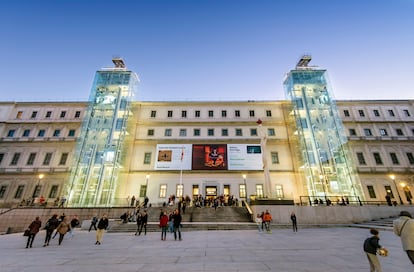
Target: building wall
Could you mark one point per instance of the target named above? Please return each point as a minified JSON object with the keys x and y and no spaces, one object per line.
{"x":135,"y":172}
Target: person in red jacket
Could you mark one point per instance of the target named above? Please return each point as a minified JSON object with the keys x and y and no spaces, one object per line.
{"x":164,"y":225}
{"x":33,"y":228}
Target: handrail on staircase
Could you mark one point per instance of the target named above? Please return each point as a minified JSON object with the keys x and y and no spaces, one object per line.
{"x":249,"y":210}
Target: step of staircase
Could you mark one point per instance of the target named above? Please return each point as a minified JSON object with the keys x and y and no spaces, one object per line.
{"x":205,"y":218}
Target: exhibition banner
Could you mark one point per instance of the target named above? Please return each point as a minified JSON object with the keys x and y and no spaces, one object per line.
{"x":173,"y":157}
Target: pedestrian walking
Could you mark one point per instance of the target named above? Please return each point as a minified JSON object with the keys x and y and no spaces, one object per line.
{"x":404,"y":228}
{"x":164,"y":225}
{"x":267,"y":218}
{"x":144,"y":221}
{"x":259,"y":222}
{"x":62,"y":229}
{"x":371,"y":245}
{"x":139,"y":221}
{"x":74,"y":223}
{"x":94,"y":220}
{"x":294,"y":222}
{"x":102,"y":226}
{"x":33,"y":228}
{"x":51,"y":225}
{"x":177,"y":224}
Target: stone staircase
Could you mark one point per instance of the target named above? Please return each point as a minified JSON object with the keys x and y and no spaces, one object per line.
{"x":380,"y":224}
{"x":205,"y":218}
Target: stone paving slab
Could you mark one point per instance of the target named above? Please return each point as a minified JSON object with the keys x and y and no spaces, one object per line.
{"x":318,"y":249}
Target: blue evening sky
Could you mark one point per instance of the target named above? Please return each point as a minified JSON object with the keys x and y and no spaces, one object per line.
{"x":205,"y":50}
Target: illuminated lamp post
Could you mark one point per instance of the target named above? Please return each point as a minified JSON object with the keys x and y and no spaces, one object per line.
{"x":245,"y":185}
{"x":396,"y":188}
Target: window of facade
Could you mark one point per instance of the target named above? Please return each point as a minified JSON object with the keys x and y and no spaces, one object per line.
{"x":361,"y":113}
{"x":153,"y":114}
{"x":279,"y":190}
{"x":184,"y":114}
{"x":31,"y":159}
{"x":19,"y":192}
{"x":391,"y":113}
{"x":210,"y":113}
{"x":47,"y":158}
{"x":15,"y":159}
{"x":147,"y":158}
{"x":237,"y":113}
{"x":371,"y":191}
{"x":77,"y":114}
{"x":253,"y":132}
{"x":3,"y":190}
{"x":394,"y":158}
{"x":361,"y":159}
{"x":196,"y":132}
{"x":346,"y":113}
{"x":41,"y":133}
{"x":10,"y":133}
{"x":388,"y":191}
{"x":150,"y":132}
{"x":48,"y":114}
{"x":62,"y":114}
{"x":410,"y":157}
{"x":210,"y":132}
{"x":19,"y":115}
{"x":197,"y":113}
{"x":179,"y":190}
{"x":352,"y":132}
{"x":71,"y":133}
{"x":383,"y":132}
{"x":376,"y":113}
{"x":242,"y":190}
{"x":56,"y":133}
{"x":223,"y":113}
{"x":406,"y":113}
{"x":239,"y":132}
{"x":53,"y":191}
{"x":34,"y":114}
{"x":168,"y":132}
{"x":1,"y":157}
{"x":271,"y":132}
{"x":63,"y":158}
{"x":259,"y":190}
{"x":183,"y":132}
{"x":26,"y":133}
{"x":399,"y":132}
{"x":163,"y":191}
{"x":275,"y":157}
{"x":143,"y":191}
{"x":169,"y":114}
{"x":251,"y":113}
{"x":377,"y":158}
{"x":36,"y":191}
{"x":367,"y":132}
{"x":268,"y":113}
{"x":224,"y":132}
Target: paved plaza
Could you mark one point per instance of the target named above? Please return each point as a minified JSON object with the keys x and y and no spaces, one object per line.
{"x":318,"y":249}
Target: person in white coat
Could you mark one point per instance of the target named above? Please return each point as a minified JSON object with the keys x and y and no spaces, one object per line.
{"x":404,"y":227}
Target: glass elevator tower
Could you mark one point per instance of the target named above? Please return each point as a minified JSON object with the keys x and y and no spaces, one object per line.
{"x":98,"y":157}
{"x":323,"y":157}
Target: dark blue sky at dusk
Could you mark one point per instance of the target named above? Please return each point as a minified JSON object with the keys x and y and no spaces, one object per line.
{"x":205,"y":50}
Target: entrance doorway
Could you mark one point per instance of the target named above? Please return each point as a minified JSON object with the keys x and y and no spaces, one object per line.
{"x":211,"y":192}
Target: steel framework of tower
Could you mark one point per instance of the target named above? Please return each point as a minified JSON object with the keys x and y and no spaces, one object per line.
{"x":324,"y":159}
{"x":98,"y":156}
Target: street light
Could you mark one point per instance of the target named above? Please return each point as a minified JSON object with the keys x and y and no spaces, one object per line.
{"x":146,"y":184}
{"x":245,"y":186}
{"x":38,"y":183}
{"x":396,"y":188}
